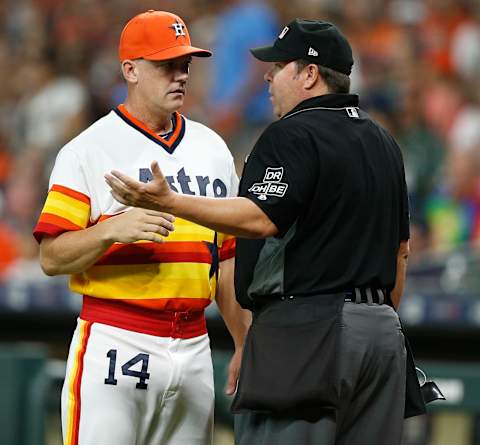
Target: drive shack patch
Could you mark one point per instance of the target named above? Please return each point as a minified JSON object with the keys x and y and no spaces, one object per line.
{"x":271,"y":185}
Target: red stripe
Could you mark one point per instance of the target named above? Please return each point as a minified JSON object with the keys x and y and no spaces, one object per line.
{"x":227,"y":250}
{"x":168,"y":323}
{"x":59,"y":221}
{"x":46,"y":229}
{"x":151,"y":253}
{"x":55,"y":226}
{"x":78,"y":383}
{"x":70,"y":192}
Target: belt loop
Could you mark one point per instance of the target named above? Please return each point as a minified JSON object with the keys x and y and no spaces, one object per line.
{"x":358,"y":296}
{"x":369,"y":295}
{"x":381,"y":298}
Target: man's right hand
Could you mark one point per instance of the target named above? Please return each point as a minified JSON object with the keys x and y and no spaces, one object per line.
{"x":155,"y":194}
{"x":75,"y":251}
{"x":138,"y":224}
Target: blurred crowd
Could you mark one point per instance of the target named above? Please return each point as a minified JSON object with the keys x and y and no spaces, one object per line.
{"x":417,"y":71}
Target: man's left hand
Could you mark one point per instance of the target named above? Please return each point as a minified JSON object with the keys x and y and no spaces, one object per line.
{"x":233,"y":372}
{"x":154,"y":195}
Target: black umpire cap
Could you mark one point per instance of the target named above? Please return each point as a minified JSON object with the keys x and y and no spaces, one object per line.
{"x":318,"y":42}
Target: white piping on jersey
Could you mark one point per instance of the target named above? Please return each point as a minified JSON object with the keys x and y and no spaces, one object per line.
{"x":317,"y":108}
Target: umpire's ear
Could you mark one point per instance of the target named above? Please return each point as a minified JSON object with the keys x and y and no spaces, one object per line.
{"x":312,"y":76}
{"x":130,"y":70}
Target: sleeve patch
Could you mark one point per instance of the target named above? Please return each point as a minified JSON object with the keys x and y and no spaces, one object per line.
{"x":271,"y":185}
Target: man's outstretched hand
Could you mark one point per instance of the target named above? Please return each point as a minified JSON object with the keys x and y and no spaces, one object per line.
{"x":154,"y":195}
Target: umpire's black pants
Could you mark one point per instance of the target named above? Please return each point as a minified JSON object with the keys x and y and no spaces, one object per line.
{"x":372,"y":363}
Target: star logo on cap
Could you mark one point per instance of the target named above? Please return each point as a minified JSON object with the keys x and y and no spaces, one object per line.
{"x":178,"y":28}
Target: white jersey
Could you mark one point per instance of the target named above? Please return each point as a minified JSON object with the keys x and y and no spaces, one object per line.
{"x":199,"y":163}
{"x":178,"y":274}
{"x":141,"y":343}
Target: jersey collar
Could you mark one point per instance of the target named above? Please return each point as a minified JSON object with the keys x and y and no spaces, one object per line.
{"x":327,"y":101}
{"x":170,"y":143}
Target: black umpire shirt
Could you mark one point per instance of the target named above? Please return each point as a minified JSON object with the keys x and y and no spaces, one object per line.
{"x":332,"y":181}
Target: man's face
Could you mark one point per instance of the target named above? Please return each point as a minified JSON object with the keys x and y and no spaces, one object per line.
{"x":162,"y":84}
{"x":284,"y":86}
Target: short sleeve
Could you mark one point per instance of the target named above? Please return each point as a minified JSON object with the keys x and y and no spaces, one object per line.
{"x":404,"y":217}
{"x":280,"y":175}
{"x":67,"y":206}
{"x":233,"y":180}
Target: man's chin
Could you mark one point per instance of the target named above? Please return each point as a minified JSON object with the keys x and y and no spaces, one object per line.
{"x":175,"y":104}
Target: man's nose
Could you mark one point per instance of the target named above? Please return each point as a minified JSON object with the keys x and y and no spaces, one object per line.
{"x":267,"y":77}
{"x":181,"y":75}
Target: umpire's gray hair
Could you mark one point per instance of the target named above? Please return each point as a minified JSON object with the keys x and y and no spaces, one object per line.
{"x":336,"y":82}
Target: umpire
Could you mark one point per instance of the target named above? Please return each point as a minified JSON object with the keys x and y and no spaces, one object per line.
{"x":325,"y":360}
{"x":323,"y":218}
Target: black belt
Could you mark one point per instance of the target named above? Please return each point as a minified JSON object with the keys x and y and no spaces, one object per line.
{"x":355,"y":295}
{"x":367,"y":295}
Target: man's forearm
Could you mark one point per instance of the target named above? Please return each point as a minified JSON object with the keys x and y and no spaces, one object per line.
{"x":73,"y":252}
{"x":402,"y":260}
{"x":236,"y":319}
{"x":235,"y":216}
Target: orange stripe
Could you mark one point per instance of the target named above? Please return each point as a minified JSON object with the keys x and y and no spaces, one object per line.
{"x":46,"y":229}
{"x":171,"y":304}
{"x":104,"y":217}
{"x":70,"y":192}
{"x":52,"y":225}
{"x":166,"y":247}
{"x":168,"y":142}
{"x":151,"y":253}
{"x":74,"y":408}
{"x":55,"y":220}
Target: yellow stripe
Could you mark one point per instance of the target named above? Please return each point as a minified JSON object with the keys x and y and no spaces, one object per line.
{"x":213,"y":287}
{"x":71,"y":381}
{"x":222,"y":237}
{"x":188,"y":231}
{"x":67,"y":207}
{"x":144,"y":281}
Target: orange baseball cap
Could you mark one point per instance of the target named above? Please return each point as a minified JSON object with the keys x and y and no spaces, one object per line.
{"x":157,"y":35}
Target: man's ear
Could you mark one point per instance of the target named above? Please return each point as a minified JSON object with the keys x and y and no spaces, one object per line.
{"x":312,"y":76}
{"x":130,"y":71}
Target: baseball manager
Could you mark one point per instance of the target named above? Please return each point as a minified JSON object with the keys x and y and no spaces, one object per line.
{"x":323,"y":218}
{"x":139,"y":370}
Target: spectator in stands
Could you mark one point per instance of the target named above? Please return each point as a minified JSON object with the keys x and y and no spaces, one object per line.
{"x":56,"y":111}
{"x":453,"y":212}
{"x":239,"y":100}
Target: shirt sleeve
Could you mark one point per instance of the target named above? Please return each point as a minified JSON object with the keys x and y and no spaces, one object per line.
{"x":67,"y":206}
{"x":402,"y":200}
{"x":280,"y":175}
